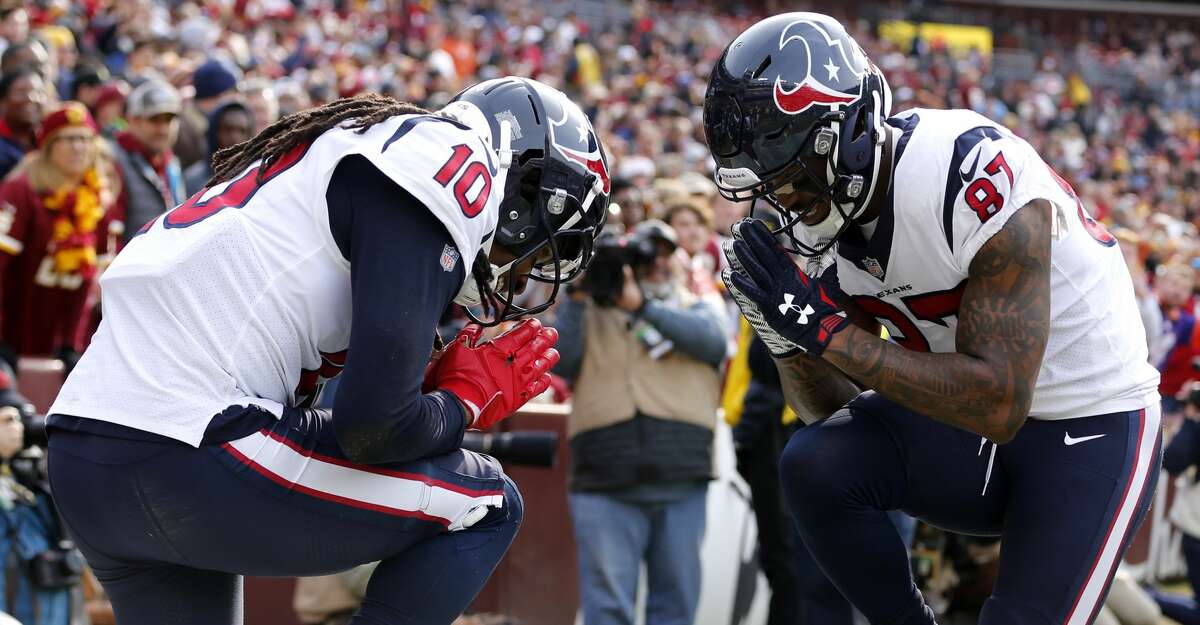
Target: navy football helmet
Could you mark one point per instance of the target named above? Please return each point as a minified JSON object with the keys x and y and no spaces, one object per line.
{"x":794,"y":104}
{"x":556,"y":190}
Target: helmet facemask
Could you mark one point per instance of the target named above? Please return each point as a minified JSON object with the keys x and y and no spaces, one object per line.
{"x":554,"y":196}
{"x":564,"y":253}
{"x":837,"y":163}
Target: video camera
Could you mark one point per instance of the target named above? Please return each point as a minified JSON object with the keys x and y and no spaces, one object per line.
{"x":532,"y":448}
{"x":605,"y":277}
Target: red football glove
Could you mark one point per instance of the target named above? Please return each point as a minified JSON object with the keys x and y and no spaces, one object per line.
{"x":496,"y":378}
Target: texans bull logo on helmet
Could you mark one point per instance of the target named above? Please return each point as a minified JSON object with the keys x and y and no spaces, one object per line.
{"x":574,"y":138}
{"x":832,"y":68}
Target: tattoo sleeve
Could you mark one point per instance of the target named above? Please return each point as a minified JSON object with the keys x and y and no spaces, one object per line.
{"x":986,"y":386}
{"x":816,"y":389}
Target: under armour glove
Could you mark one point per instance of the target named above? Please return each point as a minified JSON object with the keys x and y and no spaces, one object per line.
{"x":495,"y":378}
{"x":790,"y":311}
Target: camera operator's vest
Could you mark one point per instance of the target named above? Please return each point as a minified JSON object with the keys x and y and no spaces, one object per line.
{"x":618,"y":378}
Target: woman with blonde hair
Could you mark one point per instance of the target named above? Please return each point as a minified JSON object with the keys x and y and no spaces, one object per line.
{"x":59,"y":221}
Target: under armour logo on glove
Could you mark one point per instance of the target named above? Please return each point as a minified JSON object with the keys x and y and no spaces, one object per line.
{"x":760,"y":275}
{"x":788,"y":305}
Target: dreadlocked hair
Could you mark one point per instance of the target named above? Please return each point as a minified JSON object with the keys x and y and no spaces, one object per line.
{"x":365,"y":110}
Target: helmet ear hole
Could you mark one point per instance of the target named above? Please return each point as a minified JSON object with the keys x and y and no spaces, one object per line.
{"x":530,"y":184}
{"x":860,"y":123}
{"x":529,"y":155}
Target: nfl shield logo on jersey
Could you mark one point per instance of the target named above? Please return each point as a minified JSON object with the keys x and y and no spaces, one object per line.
{"x":449,"y":257}
{"x":873,"y":267}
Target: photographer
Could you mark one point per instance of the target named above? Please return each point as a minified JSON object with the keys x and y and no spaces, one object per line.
{"x":643,"y":353}
{"x":40,"y":568}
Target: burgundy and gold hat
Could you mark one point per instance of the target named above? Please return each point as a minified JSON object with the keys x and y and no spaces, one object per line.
{"x":70,"y":115}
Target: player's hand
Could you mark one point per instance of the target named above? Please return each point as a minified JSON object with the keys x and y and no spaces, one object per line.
{"x":494,"y":378}
{"x":790,"y":311}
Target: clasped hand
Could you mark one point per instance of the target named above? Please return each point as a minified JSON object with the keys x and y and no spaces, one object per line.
{"x":789,"y":311}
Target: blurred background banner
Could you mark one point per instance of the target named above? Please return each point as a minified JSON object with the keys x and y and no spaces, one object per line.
{"x":956,"y":38}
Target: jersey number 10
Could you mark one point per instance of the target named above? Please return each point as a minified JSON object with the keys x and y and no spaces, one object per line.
{"x":475,"y":171}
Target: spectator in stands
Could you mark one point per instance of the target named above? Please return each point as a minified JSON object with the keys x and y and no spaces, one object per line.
{"x":1151,"y":314}
{"x":151,"y":178}
{"x":692,"y":219}
{"x":29,"y":54}
{"x":725,"y":214}
{"x":88,"y":83}
{"x":292,"y":97}
{"x":259,"y":95}
{"x":14,"y":23}
{"x":110,"y":109}
{"x":214,"y":82}
{"x":58,"y":223}
{"x":62,"y":55}
{"x":1175,"y":348}
{"x":24,"y":96}
{"x":140,"y":64}
{"x":644,"y":363}
{"x":29,"y":527}
{"x":228,"y":124}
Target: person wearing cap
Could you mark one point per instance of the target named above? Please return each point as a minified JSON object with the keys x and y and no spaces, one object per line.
{"x":151,"y":176}
{"x":109,"y":110}
{"x":214,"y":82}
{"x":87,"y":84}
{"x":58,"y":222}
{"x":23,"y":96}
{"x":646,"y":390}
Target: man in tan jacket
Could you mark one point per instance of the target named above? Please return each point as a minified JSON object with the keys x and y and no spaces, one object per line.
{"x":644,"y":360}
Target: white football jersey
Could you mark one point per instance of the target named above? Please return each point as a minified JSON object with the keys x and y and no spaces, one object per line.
{"x":958,"y":178}
{"x":240,"y":295}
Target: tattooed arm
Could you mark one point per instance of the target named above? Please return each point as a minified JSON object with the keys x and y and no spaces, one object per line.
{"x":816,"y":389}
{"x":986,"y":386}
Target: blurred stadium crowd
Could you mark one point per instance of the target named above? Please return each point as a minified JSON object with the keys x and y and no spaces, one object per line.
{"x":1110,"y":101}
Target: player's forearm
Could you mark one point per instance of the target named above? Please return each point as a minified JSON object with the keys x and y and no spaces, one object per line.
{"x":375,"y":429}
{"x":814,"y":389}
{"x":957,"y":389}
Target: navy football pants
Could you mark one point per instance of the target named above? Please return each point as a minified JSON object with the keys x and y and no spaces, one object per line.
{"x":1066,"y":512}
{"x":170,"y":529}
